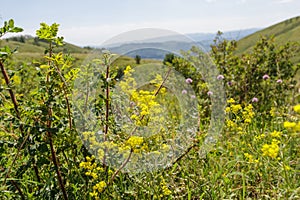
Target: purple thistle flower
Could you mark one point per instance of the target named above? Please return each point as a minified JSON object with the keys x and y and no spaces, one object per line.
{"x":229,"y":83}
{"x":209,"y":93}
{"x":220,"y":77}
{"x":254,"y":100}
{"x":184,"y":92}
{"x":279,"y":81}
{"x":189,"y":80}
{"x":266,"y":76}
{"x":193,"y":96}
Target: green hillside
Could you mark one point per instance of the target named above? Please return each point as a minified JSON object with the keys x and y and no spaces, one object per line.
{"x":29,"y":44}
{"x":30,"y":48}
{"x":288,"y":30}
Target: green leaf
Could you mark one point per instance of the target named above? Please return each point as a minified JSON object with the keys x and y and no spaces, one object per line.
{"x":11,"y":23}
{"x":44,"y":66}
{"x":16,"y":30}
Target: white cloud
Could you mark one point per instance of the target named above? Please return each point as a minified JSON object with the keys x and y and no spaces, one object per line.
{"x":241,"y":1}
{"x":285,"y":1}
{"x":210,"y":1}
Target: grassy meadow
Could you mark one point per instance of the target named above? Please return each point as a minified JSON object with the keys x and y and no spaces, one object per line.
{"x":74,"y":126}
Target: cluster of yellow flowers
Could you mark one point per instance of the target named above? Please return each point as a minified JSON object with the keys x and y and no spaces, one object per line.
{"x":91,"y":166}
{"x":259,"y":137}
{"x":129,"y":83}
{"x":235,"y":108}
{"x":148,"y":109}
{"x":276,"y":134}
{"x":231,"y":125}
{"x":145,"y":106}
{"x":271,"y":150}
{"x":164,"y":187}
{"x":98,"y":188}
{"x":297,"y":108}
{"x":16,"y":79}
{"x":250,"y":158}
{"x":93,"y":170}
{"x":239,"y":117}
{"x":293,"y":126}
{"x":135,"y":142}
{"x":248,"y":114}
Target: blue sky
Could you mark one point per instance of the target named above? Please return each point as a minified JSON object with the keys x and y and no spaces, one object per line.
{"x":91,"y":22}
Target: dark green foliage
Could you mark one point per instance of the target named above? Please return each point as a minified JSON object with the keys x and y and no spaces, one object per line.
{"x":244,"y":75}
{"x":168,"y":58}
{"x":21,"y":39}
{"x":137,"y":59}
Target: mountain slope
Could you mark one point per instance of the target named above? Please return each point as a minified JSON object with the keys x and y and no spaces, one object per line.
{"x":30,"y":48}
{"x":29,"y":44}
{"x":286,"y":31}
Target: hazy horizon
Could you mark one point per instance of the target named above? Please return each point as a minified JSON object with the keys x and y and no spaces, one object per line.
{"x":93,"y":22}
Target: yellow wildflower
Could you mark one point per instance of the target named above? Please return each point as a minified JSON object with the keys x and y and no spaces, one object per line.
{"x":99,"y":186}
{"x":128,"y":70}
{"x":230,"y":124}
{"x":135,"y":141}
{"x":271,"y":150}
{"x":273,"y":112}
{"x":249,"y":157}
{"x":236,"y":108}
{"x":227,"y":109}
{"x":276,"y":134}
{"x":287,"y":168}
{"x":297,"y":108}
{"x":93,"y":194}
{"x":94,"y":175}
{"x":288,"y":124}
{"x":231,"y":100}
{"x":165,"y":189}
{"x":297,"y":127}
{"x":16,"y":79}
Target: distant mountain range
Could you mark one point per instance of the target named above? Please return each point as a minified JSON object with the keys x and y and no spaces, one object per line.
{"x":157,"y":47}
